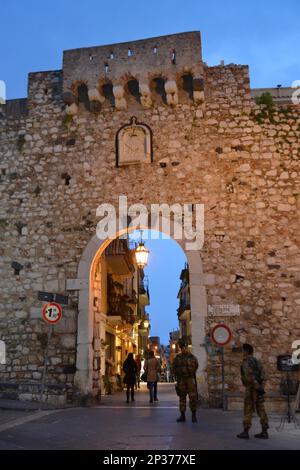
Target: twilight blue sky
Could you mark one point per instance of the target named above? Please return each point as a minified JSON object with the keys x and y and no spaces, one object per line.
{"x":262,"y":33}
{"x":166,"y":259}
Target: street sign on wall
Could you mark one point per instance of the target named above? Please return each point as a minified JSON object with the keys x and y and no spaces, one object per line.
{"x":221,"y":334}
{"x":225,"y":310}
{"x":50,"y":297}
{"x":52,"y":312}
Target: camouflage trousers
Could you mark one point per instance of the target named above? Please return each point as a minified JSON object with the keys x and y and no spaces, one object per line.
{"x":252,"y":402}
{"x":187,"y":386}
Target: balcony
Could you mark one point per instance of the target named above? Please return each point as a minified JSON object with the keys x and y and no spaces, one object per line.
{"x":144,"y":297}
{"x":184,"y":309}
{"x":119,"y":257}
{"x":120,"y":304}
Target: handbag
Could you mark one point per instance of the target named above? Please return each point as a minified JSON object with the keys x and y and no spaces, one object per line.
{"x":144,"y":377}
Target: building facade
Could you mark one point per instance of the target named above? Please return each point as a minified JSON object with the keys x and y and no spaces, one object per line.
{"x":120,"y":297}
{"x":150,"y":120}
{"x":184,"y":309}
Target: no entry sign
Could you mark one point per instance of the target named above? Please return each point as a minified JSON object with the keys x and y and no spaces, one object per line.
{"x":52,"y":312}
{"x":221,"y":334}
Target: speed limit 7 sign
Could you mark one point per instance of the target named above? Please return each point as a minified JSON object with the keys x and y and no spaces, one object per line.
{"x":52,"y":312}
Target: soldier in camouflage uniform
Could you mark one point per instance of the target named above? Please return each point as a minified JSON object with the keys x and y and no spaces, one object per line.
{"x":253,"y":378}
{"x":185,"y":365}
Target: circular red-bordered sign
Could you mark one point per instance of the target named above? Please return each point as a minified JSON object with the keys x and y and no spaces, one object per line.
{"x":221,"y":334}
{"x":52,"y":312}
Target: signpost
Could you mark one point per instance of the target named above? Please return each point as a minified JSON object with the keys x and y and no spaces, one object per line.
{"x":221,"y":336}
{"x":52,"y":314}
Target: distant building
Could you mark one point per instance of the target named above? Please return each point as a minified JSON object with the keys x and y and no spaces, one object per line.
{"x":154,"y":343}
{"x":173,"y":346}
{"x":184,"y":309}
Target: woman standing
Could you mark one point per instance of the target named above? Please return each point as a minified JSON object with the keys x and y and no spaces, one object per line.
{"x":152,"y":369}
{"x":130,"y":368}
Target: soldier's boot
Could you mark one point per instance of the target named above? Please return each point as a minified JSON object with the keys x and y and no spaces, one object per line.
{"x":244,"y":434}
{"x":181,"y":418}
{"x":263,"y":434}
{"x":194,"y":417}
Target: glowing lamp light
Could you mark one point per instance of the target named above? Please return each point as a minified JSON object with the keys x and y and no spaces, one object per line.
{"x":141,"y":255}
{"x":146,"y":323}
{"x":173,"y":346}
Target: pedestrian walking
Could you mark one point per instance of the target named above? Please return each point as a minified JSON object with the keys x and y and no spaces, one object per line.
{"x":152,"y":370}
{"x":184,"y":367}
{"x":253,"y":379}
{"x":130,"y":369}
{"x":138,"y":374}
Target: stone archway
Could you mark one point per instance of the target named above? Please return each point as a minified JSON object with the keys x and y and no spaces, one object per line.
{"x":85,"y":333}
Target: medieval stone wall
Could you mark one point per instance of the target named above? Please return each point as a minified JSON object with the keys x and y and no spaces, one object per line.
{"x":238,"y":159}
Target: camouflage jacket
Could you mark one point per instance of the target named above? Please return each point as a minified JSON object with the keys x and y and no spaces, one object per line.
{"x":252,"y":373}
{"x":185,"y":365}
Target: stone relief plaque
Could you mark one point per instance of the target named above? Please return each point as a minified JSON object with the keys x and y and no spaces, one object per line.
{"x":223,"y":310}
{"x":133,"y":143}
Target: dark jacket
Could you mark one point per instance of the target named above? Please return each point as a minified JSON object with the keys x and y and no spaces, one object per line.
{"x":130,"y":368}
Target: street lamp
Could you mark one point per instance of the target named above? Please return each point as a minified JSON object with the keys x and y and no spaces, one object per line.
{"x":146,"y":324}
{"x":141,"y":254}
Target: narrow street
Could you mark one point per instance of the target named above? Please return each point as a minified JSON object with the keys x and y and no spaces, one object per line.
{"x":115,"y":425}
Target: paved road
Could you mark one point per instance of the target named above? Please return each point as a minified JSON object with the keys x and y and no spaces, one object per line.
{"x":115,"y":425}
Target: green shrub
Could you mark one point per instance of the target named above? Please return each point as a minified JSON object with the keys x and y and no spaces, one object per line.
{"x":266,"y":99}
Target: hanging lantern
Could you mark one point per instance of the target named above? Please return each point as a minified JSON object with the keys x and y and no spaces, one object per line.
{"x":146,"y":324}
{"x":141,"y":255}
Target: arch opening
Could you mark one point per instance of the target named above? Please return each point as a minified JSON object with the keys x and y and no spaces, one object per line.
{"x":83,"y":97}
{"x":133,"y":92}
{"x":187,"y":86}
{"x":93,"y":344}
{"x":158,"y":88}
{"x":107,"y":91}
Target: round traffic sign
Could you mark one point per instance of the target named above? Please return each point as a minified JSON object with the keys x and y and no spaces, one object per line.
{"x":52,"y":312}
{"x":221,"y":334}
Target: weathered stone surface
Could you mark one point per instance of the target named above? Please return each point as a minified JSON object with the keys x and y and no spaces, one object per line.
{"x":250,"y":191}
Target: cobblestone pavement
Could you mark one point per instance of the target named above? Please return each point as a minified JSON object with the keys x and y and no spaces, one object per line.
{"x":116,"y":425}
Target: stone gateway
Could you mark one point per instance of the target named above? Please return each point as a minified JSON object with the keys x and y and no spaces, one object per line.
{"x":150,"y":120}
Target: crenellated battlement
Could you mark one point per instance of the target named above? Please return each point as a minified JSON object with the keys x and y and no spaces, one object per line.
{"x":161,"y":64}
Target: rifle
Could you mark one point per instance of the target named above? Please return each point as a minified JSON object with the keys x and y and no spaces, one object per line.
{"x":198,"y":396}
